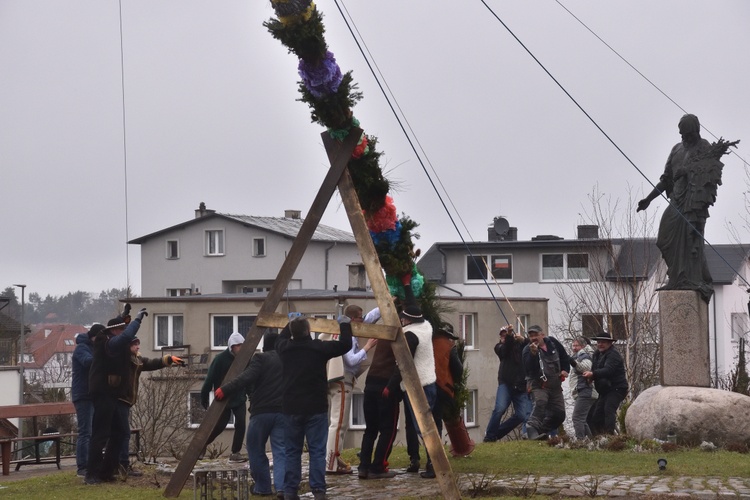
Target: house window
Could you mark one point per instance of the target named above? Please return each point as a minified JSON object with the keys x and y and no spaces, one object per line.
{"x":357,"y":415}
{"x":476,"y":267}
{"x":173,"y":249}
{"x":502,"y":267}
{"x":169,"y":330}
{"x":568,"y":267}
{"x":467,"y":325}
{"x":196,"y":413}
{"x":215,"y":242}
{"x":181,"y":292}
{"x":222,"y":326}
{"x":739,"y":326}
{"x":594,"y":324}
{"x":470,"y":410}
{"x":259,"y":247}
{"x":195,"y":410}
{"x":522,"y":323}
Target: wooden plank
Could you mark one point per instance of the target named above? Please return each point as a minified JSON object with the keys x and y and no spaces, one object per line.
{"x":37,"y":410}
{"x":323,"y":325}
{"x":400,"y":348}
{"x":309,"y":225}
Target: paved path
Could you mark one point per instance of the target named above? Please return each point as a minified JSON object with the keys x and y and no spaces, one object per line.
{"x":350,"y":487}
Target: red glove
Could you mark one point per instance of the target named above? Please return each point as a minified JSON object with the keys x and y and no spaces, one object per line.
{"x":386,"y":393}
{"x":406,"y":279}
{"x":219,"y":394}
{"x":178,"y":361}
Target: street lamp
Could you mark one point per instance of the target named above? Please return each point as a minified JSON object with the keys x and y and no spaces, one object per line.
{"x":20,"y":350}
{"x":23,"y":331}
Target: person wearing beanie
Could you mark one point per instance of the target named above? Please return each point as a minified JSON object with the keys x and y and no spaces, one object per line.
{"x":262,"y":380}
{"x":83,"y":355}
{"x":236,"y":406}
{"x":139,"y":364}
{"x":108,"y":382}
{"x":305,"y":400}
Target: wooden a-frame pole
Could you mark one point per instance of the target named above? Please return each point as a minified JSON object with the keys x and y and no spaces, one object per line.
{"x":339,"y":154}
{"x":390,"y":317}
{"x":309,"y":225}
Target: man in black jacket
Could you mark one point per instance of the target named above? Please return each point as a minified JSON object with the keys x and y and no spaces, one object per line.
{"x":262,"y":380}
{"x":546,"y":364}
{"x":608,"y":374}
{"x":511,"y":386}
{"x":108,"y":382}
{"x":305,"y":400}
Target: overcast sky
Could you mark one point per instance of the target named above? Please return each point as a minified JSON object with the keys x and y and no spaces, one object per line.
{"x":210,"y":115}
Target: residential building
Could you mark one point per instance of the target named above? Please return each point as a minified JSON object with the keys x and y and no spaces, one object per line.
{"x":48,"y":356}
{"x":592,"y":283}
{"x":224,"y":253}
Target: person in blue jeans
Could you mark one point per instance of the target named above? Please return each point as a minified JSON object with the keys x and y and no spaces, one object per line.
{"x":262,"y":381}
{"x":79,"y":390}
{"x":511,"y":386}
{"x":305,"y":400}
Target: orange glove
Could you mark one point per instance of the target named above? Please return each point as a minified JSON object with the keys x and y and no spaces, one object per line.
{"x":178,"y":361}
{"x":219,"y":394}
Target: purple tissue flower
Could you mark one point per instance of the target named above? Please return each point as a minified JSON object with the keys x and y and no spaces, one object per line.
{"x":321,"y":79}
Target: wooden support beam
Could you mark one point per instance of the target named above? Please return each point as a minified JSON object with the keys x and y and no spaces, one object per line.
{"x":322,"y":325}
{"x":400,"y":348}
{"x":37,"y":410}
{"x":296,"y":252}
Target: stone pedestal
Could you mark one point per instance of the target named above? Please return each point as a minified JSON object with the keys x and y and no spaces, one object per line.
{"x":685,"y":354}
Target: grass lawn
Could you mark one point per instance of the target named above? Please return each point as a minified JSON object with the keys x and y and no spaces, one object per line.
{"x":537,"y":458}
{"x":512,"y":458}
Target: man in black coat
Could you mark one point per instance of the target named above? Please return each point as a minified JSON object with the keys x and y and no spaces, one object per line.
{"x":608,"y":374}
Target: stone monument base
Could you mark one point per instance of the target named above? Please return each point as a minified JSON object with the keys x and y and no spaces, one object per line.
{"x":692,"y":414}
{"x":685,"y":355}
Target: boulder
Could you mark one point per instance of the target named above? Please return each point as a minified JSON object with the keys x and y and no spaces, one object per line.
{"x":693,"y":414}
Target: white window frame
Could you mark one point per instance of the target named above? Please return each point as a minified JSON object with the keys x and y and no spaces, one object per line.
{"x":197,"y":394}
{"x":470,"y":410}
{"x":214,"y":237}
{"x":235,"y":328}
{"x":182,"y":292}
{"x":469,"y":267}
{"x":522,"y":323}
{"x":469,"y":338}
{"x":176,"y":250}
{"x":256,"y":253}
{"x":565,"y":273}
{"x":357,"y":400}
{"x":170,"y":329}
{"x":488,"y":261}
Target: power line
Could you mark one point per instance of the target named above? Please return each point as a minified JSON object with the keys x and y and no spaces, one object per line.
{"x":411,"y":144}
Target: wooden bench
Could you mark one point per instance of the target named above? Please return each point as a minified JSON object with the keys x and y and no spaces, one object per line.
{"x":43,"y":410}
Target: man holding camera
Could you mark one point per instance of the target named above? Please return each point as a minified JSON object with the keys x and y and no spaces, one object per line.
{"x":546,"y":364}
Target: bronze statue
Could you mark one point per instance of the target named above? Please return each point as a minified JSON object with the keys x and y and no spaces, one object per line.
{"x":690,"y":179}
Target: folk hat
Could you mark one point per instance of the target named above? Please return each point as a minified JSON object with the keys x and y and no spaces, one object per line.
{"x":447,"y":330}
{"x":604,"y":336}
{"x":413,"y":314}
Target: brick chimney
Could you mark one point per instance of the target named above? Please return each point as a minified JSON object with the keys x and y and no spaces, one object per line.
{"x":357,"y":277}
{"x":203,"y":211}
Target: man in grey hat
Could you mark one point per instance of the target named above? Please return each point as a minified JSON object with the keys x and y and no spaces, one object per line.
{"x":546,"y":364}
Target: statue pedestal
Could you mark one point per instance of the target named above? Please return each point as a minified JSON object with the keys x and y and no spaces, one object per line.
{"x":685,"y":354}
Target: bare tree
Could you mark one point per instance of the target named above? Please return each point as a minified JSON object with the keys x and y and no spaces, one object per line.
{"x":161,"y":412}
{"x":620,"y":294}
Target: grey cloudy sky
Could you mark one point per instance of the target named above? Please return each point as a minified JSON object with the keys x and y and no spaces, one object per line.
{"x":210,"y":115}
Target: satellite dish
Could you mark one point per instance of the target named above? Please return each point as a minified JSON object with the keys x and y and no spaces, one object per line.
{"x":501,"y":226}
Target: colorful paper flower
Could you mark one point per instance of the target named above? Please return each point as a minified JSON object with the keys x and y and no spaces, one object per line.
{"x":321,"y":78}
{"x":384,"y":219}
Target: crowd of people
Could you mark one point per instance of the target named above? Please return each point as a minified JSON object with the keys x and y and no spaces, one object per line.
{"x":300,"y":389}
{"x":531,"y":375}
{"x":106,"y":369}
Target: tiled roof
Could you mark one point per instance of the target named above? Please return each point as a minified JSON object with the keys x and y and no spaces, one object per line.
{"x":724,"y":261}
{"x":10,"y":327}
{"x":43,"y":345}
{"x":285,"y":226}
{"x":290,"y":227}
